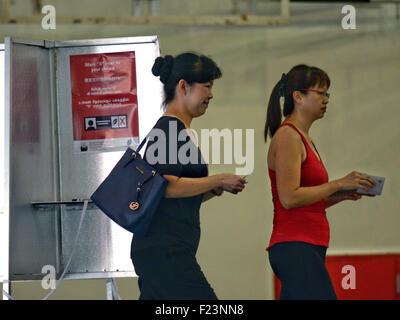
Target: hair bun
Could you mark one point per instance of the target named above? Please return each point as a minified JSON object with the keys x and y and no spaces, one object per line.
{"x":162,"y":67}
{"x":157,"y":66}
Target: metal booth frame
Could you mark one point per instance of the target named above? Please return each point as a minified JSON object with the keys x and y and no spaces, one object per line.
{"x":45,"y":181}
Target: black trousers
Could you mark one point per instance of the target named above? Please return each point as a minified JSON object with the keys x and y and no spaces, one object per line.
{"x":301,"y":269}
{"x":166,"y":274}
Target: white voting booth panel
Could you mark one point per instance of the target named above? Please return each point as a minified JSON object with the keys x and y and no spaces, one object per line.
{"x":46,"y":170}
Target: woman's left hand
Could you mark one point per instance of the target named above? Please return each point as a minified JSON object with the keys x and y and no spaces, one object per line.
{"x":346,"y":195}
{"x":217,"y":191}
{"x":343,"y":195}
{"x":352,"y":196}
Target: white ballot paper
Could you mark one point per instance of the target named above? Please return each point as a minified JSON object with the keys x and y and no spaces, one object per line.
{"x":377,"y":189}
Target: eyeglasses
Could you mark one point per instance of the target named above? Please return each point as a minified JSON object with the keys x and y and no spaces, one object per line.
{"x":326,"y":94}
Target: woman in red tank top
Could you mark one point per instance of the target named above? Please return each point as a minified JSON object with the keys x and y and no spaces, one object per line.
{"x":301,"y":190}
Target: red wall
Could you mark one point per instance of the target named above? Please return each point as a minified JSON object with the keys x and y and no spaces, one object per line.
{"x":376,"y":277}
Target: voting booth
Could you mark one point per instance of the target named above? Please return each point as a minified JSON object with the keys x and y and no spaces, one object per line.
{"x":71,"y":110}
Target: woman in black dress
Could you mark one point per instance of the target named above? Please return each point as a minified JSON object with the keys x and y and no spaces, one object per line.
{"x":165,"y":259}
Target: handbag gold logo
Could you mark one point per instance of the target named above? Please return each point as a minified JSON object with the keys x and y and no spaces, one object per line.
{"x":140,"y":170}
{"x":134,"y":206}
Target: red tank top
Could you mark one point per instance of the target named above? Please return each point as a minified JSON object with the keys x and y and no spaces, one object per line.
{"x":308,"y":223}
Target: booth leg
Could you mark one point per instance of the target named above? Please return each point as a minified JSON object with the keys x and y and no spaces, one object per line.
{"x":112,"y":290}
{"x":6,"y":290}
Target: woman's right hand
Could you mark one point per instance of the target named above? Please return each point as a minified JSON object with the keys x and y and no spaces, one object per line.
{"x":232,"y":183}
{"x":355,"y":180}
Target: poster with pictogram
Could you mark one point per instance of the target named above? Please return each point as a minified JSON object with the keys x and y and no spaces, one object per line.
{"x":104,"y":101}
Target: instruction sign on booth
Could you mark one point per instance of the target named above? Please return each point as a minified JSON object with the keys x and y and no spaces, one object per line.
{"x":104,"y":101}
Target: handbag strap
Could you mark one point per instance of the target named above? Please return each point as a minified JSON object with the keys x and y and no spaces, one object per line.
{"x":142,"y":143}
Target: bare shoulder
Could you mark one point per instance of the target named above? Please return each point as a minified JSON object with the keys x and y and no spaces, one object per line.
{"x":287,"y":142}
{"x":286,"y":136}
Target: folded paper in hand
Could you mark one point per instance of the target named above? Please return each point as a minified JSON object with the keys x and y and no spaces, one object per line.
{"x":377,"y":189}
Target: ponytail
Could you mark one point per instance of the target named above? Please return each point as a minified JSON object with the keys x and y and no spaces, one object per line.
{"x":274,"y":112}
{"x":299,"y":77}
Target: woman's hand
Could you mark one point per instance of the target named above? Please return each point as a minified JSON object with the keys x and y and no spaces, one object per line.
{"x":182,"y":187}
{"x":217,"y":191}
{"x":355,"y":180}
{"x":232,"y":183}
{"x":212,"y":193}
{"x":343,"y":195}
{"x":352,"y":196}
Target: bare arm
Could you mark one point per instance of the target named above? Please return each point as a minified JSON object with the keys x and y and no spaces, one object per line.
{"x":341,"y":196}
{"x":211,"y":194}
{"x":189,"y":187}
{"x":331,"y":202}
{"x":207,"y":196}
{"x":288,"y":166}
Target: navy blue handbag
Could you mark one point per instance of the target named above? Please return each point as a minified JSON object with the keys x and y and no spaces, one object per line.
{"x":131,"y":192}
